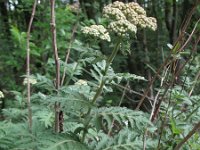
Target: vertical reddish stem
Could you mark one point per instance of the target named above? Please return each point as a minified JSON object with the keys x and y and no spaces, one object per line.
{"x":56,"y":58}
{"x":28,"y":67}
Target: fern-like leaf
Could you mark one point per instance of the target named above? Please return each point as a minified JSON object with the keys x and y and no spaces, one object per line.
{"x":126,"y":139}
{"x":123,"y":116}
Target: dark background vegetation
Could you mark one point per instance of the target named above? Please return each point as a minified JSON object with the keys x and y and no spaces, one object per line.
{"x":146,"y":54}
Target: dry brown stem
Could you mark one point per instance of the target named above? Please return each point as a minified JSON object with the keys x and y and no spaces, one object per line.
{"x":28,"y":66}
{"x":57,"y":62}
{"x":168,"y":61}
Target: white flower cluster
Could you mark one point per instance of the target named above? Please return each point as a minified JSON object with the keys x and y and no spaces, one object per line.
{"x":152,"y":23}
{"x":97,"y":31}
{"x":81,"y":82}
{"x":125,"y":18}
{"x":113,"y":13}
{"x":134,"y":7}
{"x":120,"y":5}
{"x":31,"y":80}
{"x":1,"y":95}
{"x":142,"y":21}
{"x":131,"y":12}
{"x":122,"y":27}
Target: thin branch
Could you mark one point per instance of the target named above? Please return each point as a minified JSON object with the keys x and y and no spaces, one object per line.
{"x":56,"y":58}
{"x":154,"y":105}
{"x":122,"y":98}
{"x":151,"y":82}
{"x":190,"y":36}
{"x":168,"y":87}
{"x":177,"y":73}
{"x":146,"y":130}
{"x":174,"y":21}
{"x":184,"y":26}
{"x":163,"y":122}
{"x":147,"y":61}
{"x":134,"y":92}
{"x":54,"y":44}
{"x":189,"y":135}
{"x":198,"y":74}
{"x":28,"y":66}
{"x":153,"y":108}
{"x":195,"y":81}
{"x":68,"y":52}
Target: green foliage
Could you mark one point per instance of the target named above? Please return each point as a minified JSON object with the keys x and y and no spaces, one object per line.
{"x":16,"y":136}
{"x":121,"y":116}
{"x":89,"y":123}
{"x":125,"y":139}
{"x":98,"y":73}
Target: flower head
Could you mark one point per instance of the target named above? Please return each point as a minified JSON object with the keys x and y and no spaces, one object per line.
{"x":1,"y":94}
{"x":31,"y":80}
{"x":123,"y":20}
{"x":152,"y":23}
{"x":97,"y":31}
{"x":131,"y":12}
{"x":120,"y":5}
{"x":113,"y":13}
{"x":135,"y":7}
{"x":142,"y":21}
{"x":81,"y":82}
{"x":122,"y":27}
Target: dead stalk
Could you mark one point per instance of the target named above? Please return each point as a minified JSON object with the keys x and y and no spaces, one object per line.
{"x":28,"y":66}
{"x":168,"y":61}
{"x":56,"y":58}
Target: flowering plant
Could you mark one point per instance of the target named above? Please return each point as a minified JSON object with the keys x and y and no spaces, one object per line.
{"x":1,"y":95}
{"x":124,"y":19}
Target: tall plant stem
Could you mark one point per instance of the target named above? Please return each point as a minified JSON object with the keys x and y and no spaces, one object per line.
{"x":56,"y":58}
{"x":99,"y":90}
{"x":112,"y":56}
{"x":28,"y":67}
{"x":109,"y":61}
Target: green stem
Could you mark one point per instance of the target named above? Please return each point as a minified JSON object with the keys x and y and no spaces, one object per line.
{"x":112,"y":56}
{"x":99,"y":90}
